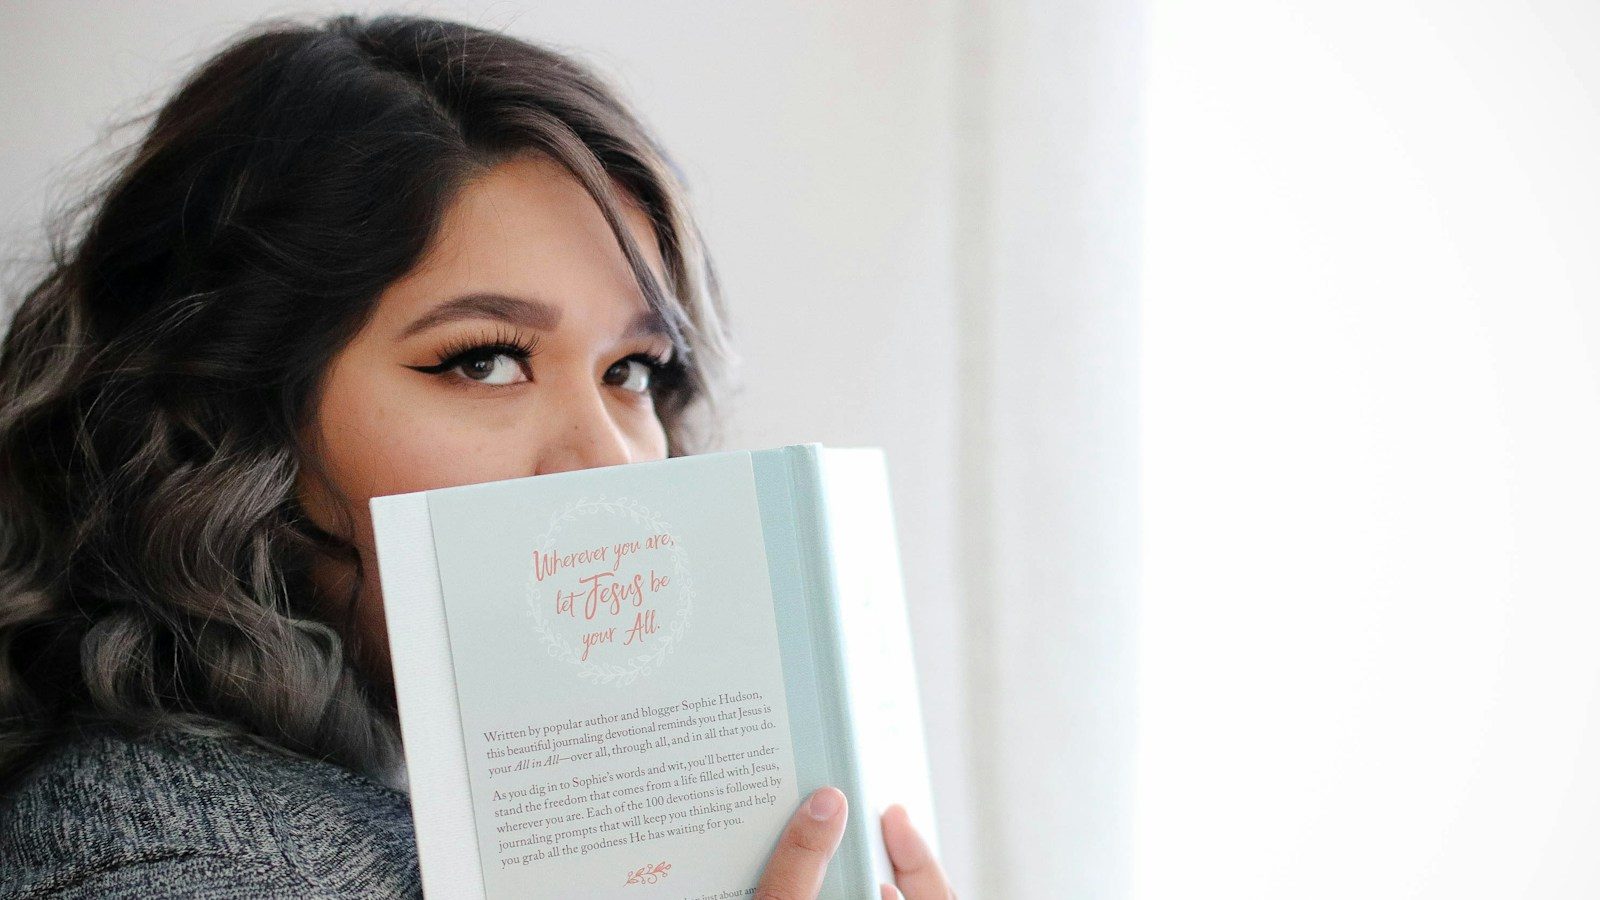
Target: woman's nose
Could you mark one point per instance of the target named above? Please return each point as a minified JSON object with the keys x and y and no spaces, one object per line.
{"x":587,"y":436}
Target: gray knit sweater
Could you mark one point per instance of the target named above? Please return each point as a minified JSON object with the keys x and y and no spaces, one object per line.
{"x":177,"y":815}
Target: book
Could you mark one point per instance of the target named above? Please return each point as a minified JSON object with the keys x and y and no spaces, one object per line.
{"x":623,"y":681}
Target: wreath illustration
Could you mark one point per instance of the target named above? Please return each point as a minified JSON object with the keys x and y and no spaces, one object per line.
{"x":563,"y":648}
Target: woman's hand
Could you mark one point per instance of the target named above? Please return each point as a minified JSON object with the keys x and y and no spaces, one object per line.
{"x":798,"y":864}
{"x":795,"y":870}
{"x":916,"y":873}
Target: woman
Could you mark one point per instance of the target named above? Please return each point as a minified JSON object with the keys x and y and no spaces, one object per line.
{"x":355,"y":258}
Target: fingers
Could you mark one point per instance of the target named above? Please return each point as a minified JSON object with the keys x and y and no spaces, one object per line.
{"x":889,"y":892}
{"x":915,"y":870}
{"x":796,"y":868}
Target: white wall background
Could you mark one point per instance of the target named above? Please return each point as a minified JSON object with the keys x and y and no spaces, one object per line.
{"x":1370,"y":648}
{"x":1048,"y":216}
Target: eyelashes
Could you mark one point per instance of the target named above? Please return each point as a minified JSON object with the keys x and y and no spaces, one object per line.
{"x":666,"y":375}
{"x":667,"y":372}
{"x":473,"y":347}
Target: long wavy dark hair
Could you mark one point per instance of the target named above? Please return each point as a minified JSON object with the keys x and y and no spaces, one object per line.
{"x":154,"y":560}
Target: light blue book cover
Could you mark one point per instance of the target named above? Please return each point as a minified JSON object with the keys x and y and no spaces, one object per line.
{"x":621,"y":682}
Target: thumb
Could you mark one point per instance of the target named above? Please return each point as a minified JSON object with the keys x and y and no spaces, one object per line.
{"x":801,"y":858}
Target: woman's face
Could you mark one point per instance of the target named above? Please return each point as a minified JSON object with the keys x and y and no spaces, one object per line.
{"x":524,"y":261}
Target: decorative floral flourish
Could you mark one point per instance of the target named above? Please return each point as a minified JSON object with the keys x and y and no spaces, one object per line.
{"x":649,"y":874}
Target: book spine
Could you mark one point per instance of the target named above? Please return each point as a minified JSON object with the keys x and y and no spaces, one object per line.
{"x":852,"y":861}
{"x":879,"y":671}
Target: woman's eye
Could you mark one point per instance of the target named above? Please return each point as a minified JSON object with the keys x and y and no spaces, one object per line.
{"x":494,"y":362}
{"x":492,"y":368}
{"x":632,"y":374}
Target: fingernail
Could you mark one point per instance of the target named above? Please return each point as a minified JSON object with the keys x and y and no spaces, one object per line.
{"x":824,"y":804}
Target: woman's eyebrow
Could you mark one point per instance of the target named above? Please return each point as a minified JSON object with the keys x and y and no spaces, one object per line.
{"x":525,"y":311}
{"x":647,"y":324}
